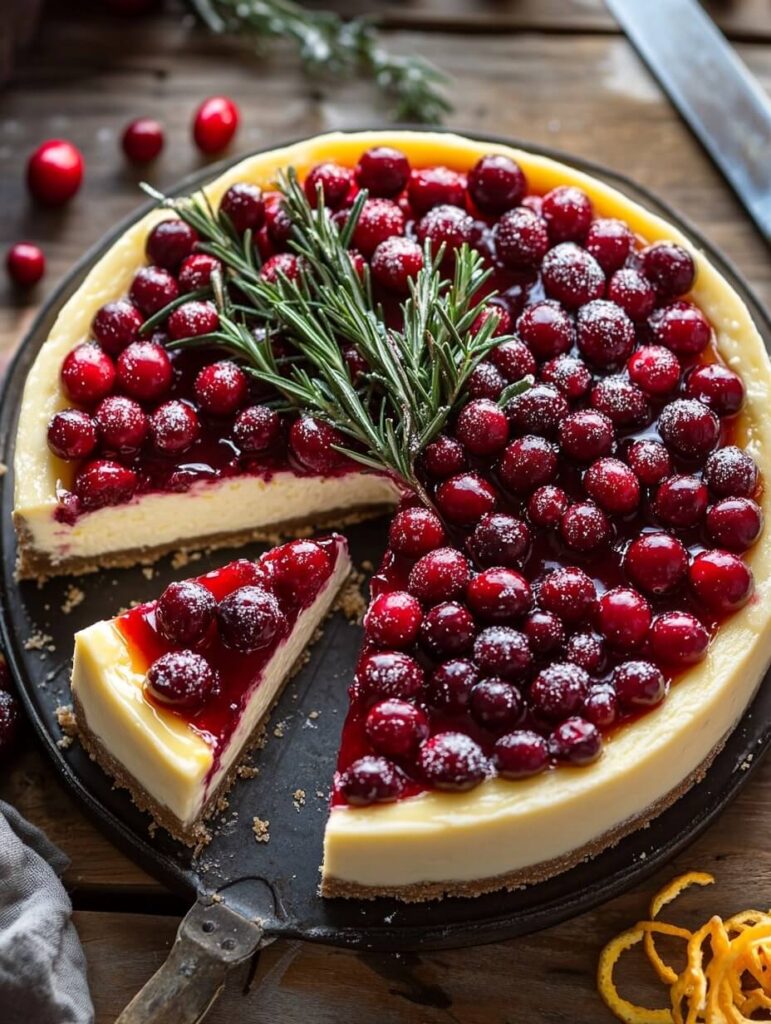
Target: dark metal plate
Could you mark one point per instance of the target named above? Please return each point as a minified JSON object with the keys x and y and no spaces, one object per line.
{"x":278,"y":880}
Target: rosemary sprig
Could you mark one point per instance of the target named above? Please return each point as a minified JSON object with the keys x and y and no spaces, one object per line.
{"x":330,"y":46}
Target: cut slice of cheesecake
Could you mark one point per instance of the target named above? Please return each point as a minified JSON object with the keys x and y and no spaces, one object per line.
{"x":168,"y":695}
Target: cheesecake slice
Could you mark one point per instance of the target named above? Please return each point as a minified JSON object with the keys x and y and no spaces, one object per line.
{"x":168,"y":695}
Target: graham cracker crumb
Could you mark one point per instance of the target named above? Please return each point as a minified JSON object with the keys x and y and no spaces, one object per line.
{"x":261,"y":831}
{"x":298,"y":799}
{"x":148,"y":572}
{"x":65,"y":716}
{"x":351,"y":600}
{"x":279,"y":730}
{"x":72,"y":598}
{"x":38,"y":642}
{"x":247,"y":771}
{"x":180,"y":559}
{"x":367,"y":566}
{"x":313,"y":714}
{"x":65,"y":742}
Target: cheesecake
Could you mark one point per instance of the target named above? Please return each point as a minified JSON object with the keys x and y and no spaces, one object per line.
{"x":572,"y":610}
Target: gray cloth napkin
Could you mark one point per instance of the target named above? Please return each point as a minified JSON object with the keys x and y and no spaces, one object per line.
{"x":42,"y":965}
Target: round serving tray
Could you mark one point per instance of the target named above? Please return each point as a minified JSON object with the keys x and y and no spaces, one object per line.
{"x":278,"y":880}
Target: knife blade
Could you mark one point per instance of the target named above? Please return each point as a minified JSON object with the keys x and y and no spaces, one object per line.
{"x":713,"y":90}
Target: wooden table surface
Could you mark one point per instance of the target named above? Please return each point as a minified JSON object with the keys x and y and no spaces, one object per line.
{"x":551,"y":71}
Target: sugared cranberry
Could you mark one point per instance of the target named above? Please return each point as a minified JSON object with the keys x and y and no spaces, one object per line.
{"x":72,"y":434}
{"x":10,"y":722}
{"x":496,"y":313}
{"x":568,"y":213}
{"x":734,"y":523}
{"x":633,"y":292}
{"x":527,"y":463}
{"x":152,"y":289}
{"x":609,"y":241}
{"x":116,"y":325}
{"x":371,"y":780}
{"x":123,"y":424}
{"x":196,"y":271}
{"x":396,"y":728}
{"x":244,"y":205}
{"x":383,"y":171}
{"x":623,"y":618}
{"x":452,"y":760}
{"x":654,"y":369}
{"x":546,"y":329}
{"x":584,"y":527}
{"x":174,"y":426}
{"x":576,"y":741}
{"x":521,"y":239}
{"x":379,"y":219}
{"x":546,"y":506}
{"x":444,"y":457}
{"x":55,"y":172}
{"x":496,"y":704}
{"x":104,"y":482}
{"x":681,"y":327}
{"x":716,"y":386}
{"x":390,"y":674}
{"x":681,"y":501}
{"x":544,"y":631}
{"x":447,"y":629}
{"x":502,"y":651}
{"x":298,"y":568}
{"x":185,"y":613}
{"x":181,"y":679}
{"x":624,"y":403}
{"x":650,"y":461}
{"x":721,"y":580}
{"x":449,"y":688}
{"x":221,"y":388}
{"x":678,"y":638}
{"x":558,"y":690}
{"x":731,"y":472}
{"x":169,"y":242}
{"x":600,"y":707}
{"x":356,"y":363}
{"x":587,"y":650}
{"x":415,"y":532}
{"x":569,"y":375}
{"x":605,"y":333}
{"x":25,"y":263}
{"x":520,"y":754}
{"x":499,"y":595}
{"x":586,"y":435}
{"x":482,"y":427}
{"x":539,"y":410}
{"x":438,"y":576}
{"x":250,"y":618}
{"x":496,"y":184}
{"x":192,"y":320}
{"x":277,"y":221}
{"x":500,"y":539}
{"x":311,"y":441}
{"x":639,"y":684}
{"x":214,"y":124}
{"x":395,"y":262}
{"x":256,"y":429}
{"x":669,"y":267}
{"x":569,"y":593}
{"x":465,"y":498}
{"x":87,"y":374}
{"x":393,"y":619}
{"x":144,"y":370}
{"x":435,"y":186}
{"x":656,"y":562}
{"x":688,"y":428}
{"x":142,"y":140}
{"x":513,"y":359}
{"x":335,"y":181}
{"x":485,"y":381}
{"x":282,"y":264}
{"x":613,"y":485}
{"x":445,"y":225}
{"x":571,"y":275}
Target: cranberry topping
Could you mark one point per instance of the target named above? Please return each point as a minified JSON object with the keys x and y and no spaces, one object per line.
{"x":298,"y":567}
{"x":335,"y":182}
{"x":87,"y":374}
{"x":482,"y":427}
{"x":568,"y":593}
{"x":281,"y":264}
{"x":650,"y":461}
{"x":464,"y":499}
{"x":669,"y":267}
{"x":445,"y":225}
{"x":435,"y":186}
{"x":610,"y":242}
{"x":654,"y":369}
{"x":174,"y":426}
{"x":622,"y":402}
{"x":496,"y":704}
{"x":613,"y":486}
{"x":547,"y":331}
{"x":383,"y":171}
{"x":256,"y":428}
{"x":393,"y":619}
{"x":379,"y":219}
{"x":104,"y":482}
{"x":633,"y":292}
{"x":449,"y":688}
{"x":558,"y":690}
{"x":624,"y":617}
{"x":639,"y":685}
{"x":734,"y":523}
{"x":544,"y":632}
{"x":731,"y":472}
{"x":123,"y":424}
{"x":116,"y":325}
{"x":520,"y":754}
{"x":605,"y":333}
{"x":568,"y":213}
{"x":196,"y":271}
{"x":438,"y":576}
{"x":587,"y":650}
{"x":586,"y":435}
{"x":415,"y":532}
{"x":447,"y":629}
{"x":371,"y":780}
{"x":490,"y":312}
{"x":152,"y":289}
{"x":681,"y":327}
{"x":584,"y":527}
{"x":521,"y":239}
{"x":72,"y":434}
{"x":485,"y":381}
{"x":601,"y":707}
{"x":527,"y":463}
{"x":571,"y":275}
{"x":678,"y":638}
{"x":502,"y":651}
{"x":681,"y":501}
{"x":539,"y":410}
{"x":144,"y":371}
{"x":396,"y":728}
{"x":250,"y":618}
{"x":185,"y":613}
{"x":390,"y":674}
{"x":500,"y":539}
{"x":499,"y":595}
{"x":656,"y":562}
{"x":576,"y":741}
{"x":169,"y":242}
{"x":452,"y":760}
{"x":193,"y":319}
{"x":496,"y":184}
{"x":514,"y":359}
{"x":716,"y":386}
{"x":444,"y":457}
{"x":312,"y":440}
{"x":395,"y":262}
{"x":689,"y":428}
{"x":181,"y":679}
{"x":221,"y":388}
{"x":569,"y":374}
{"x":721,"y":580}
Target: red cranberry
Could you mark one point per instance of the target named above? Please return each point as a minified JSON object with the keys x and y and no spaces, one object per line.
{"x":415,"y":532}
{"x":521,"y":239}
{"x":485,"y":381}
{"x":669,"y":267}
{"x":371,"y":780}
{"x":396,"y":728}
{"x":495,"y":312}
{"x":447,"y":629}
{"x":116,"y":325}
{"x":25,"y":263}
{"x":482,"y":427}
{"x":390,"y":674}
{"x":721,"y":580}
{"x":283,"y":264}
{"x":587,"y":650}
{"x":520,"y":754}
{"x":502,"y":651}
{"x":393,"y":619}
{"x":464,"y":499}
{"x":250,"y":618}
{"x":734,"y":523}
{"x":185,"y":613}
{"x":546,"y":507}
{"x":688,"y":428}
{"x":613,"y":485}
{"x":571,"y":275}
{"x":544,"y":632}
{"x":435,"y":186}
{"x":656,"y":562}
{"x":610,"y":242}
{"x":514,"y":360}
{"x":576,"y":741}
{"x":558,"y":690}
{"x":655,"y":370}
{"x":142,"y":140}
{"x":584,"y":527}
{"x":438,"y":576}
{"x":624,"y":617}
{"x":144,"y":370}
{"x":639,"y":684}
{"x":681,"y":327}
{"x":449,"y":688}
{"x":244,"y":206}
{"x":499,"y":594}
{"x":601,"y":707}
{"x":568,"y":213}
{"x":496,"y":704}
{"x":356,"y":363}
{"x":716,"y":386}
{"x":452,"y":760}
{"x":496,"y":184}
{"x":174,"y":426}
{"x":299,"y":568}
{"x":55,"y":172}
{"x":621,"y":401}
{"x":152,"y":289}
{"x":87,"y":374}
{"x":731,"y":472}
{"x":444,"y":457}
{"x":586,"y":435}
{"x":181,"y":679}
{"x":678,"y":638}
{"x":214,"y":124}
{"x":650,"y":461}
{"x":123,"y":424}
{"x":633,"y":292}
{"x":527,"y":463}
{"x":383,"y":171}
{"x":256,"y":429}
{"x":193,"y":320}
{"x":445,"y":225}
{"x":335,"y":181}
{"x":605,"y":333}
{"x":396,"y":262}
{"x":72,"y":434}
{"x":539,"y":410}
{"x":312,"y":441}
{"x":196,"y":271}
{"x":681,"y":501}
{"x":277,"y":220}
{"x":169,"y":242}
{"x":103,"y":482}
{"x":221,"y":388}
{"x":10,"y":722}
{"x":546,"y":329}
{"x":569,"y":593}
{"x":569,"y":375}
{"x":500,"y":539}
{"x":379,"y":220}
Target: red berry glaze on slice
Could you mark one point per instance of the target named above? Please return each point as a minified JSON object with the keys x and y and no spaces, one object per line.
{"x":390,"y":674}
{"x":441,"y":575}
{"x":185,"y":613}
{"x":393,"y":619}
{"x":72,"y":434}
{"x":123,"y":424}
{"x":181,"y":679}
{"x":87,"y":374}
{"x":104,"y":482}
{"x":415,"y":532}
{"x":396,"y":728}
{"x":452,"y":760}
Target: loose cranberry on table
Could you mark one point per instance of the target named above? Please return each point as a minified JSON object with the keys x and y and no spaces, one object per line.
{"x":221,"y":388}
{"x":734,"y":523}
{"x":521,"y":239}
{"x":152,"y":289}
{"x":452,"y":760}
{"x":185,"y":613}
{"x":503,"y":651}
{"x":656,"y":562}
{"x":447,"y":629}
{"x":465,"y":498}
{"x":623,"y":618}
{"x":669,"y":267}
{"x":528,"y":462}
{"x":449,"y":687}
{"x":72,"y":434}
{"x":390,"y":674}
{"x":546,"y":506}
{"x":496,"y":704}
{"x":440,"y":575}
{"x":610,"y":242}
{"x":499,"y":595}
{"x":393,"y":619}
{"x":383,"y":171}
{"x":520,"y":754}
{"x":104,"y":482}
{"x":311,"y":441}
{"x":500,"y":539}
{"x":25,"y":263}
{"x":214,"y":124}
{"x":435,"y":186}
{"x":181,"y":679}
{"x":144,"y":371}
{"x":55,"y":172}
{"x":371,"y":780}
{"x":721,"y":581}
{"x":716,"y":386}
{"x":174,"y":427}
{"x":731,"y":472}
{"x":87,"y":374}
{"x":558,"y":690}
{"x":547,"y":330}
{"x":569,"y":593}
{"x":396,"y":728}
{"x":396,"y":262}
{"x":678,"y":638}
{"x":250,"y":619}
{"x":613,"y":485}
{"x":606,"y":335}
{"x":496,"y":184}
{"x":142,"y":140}
{"x":576,"y":741}
{"x":123,"y":424}
{"x":639,"y":685}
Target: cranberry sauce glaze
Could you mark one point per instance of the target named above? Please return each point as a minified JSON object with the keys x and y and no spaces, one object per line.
{"x":586,"y":536}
